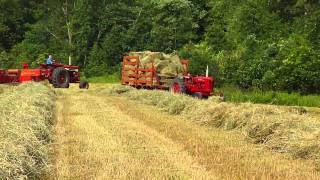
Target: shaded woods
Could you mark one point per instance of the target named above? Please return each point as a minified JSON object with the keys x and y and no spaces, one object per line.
{"x":267,"y":44}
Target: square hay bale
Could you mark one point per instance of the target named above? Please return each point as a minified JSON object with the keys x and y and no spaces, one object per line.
{"x":166,"y":64}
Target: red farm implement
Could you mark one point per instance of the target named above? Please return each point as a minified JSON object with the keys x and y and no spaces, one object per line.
{"x":59,"y":75}
{"x":149,"y":78}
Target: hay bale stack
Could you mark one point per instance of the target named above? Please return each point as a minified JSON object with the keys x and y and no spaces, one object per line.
{"x":25,"y":119}
{"x":167,"y":65}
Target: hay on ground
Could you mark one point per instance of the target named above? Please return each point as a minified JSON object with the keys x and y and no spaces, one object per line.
{"x":25,"y":119}
{"x":281,"y":129}
{"x":4,"y":88}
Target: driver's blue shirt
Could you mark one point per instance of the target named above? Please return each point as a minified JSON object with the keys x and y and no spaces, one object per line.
{"x":49,"y":61}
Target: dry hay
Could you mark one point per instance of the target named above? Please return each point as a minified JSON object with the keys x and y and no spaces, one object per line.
{"x":25,"y":120}
{"x":166,"y":64}
{"x":282,"y":129}
{"x":3,"y":88}
{"x":116,"y":90}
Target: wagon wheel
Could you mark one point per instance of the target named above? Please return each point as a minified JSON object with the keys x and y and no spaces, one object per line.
{"x":178,"y":86}
{"x":60,"y":78}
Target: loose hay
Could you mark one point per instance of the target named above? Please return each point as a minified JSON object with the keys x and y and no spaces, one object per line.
{"x":25,"y":118}
{"x":116,"y":90}
{"x":281,"y":129}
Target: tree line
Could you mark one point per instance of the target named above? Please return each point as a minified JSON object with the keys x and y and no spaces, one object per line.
{"x":267,"y":44}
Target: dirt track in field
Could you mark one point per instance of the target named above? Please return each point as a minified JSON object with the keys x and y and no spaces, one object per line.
{"x":105,"y":137}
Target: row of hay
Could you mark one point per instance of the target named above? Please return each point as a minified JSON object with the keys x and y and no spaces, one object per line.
{"x":25,"y":119}
{"x":282,"y":129}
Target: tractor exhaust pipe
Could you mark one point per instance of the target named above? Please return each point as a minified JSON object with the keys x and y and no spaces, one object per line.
{"x":207,"y":72}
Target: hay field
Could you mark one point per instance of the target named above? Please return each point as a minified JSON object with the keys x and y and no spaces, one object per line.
{"x":117,"y":132}
{"x":288,"y":130}
{"x":100,"y":134}
{"x":4,"y":88}
{"x":25,"y":119}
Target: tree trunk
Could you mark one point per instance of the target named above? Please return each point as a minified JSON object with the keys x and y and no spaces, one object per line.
{"x":70,"y":59}
{"x":70,"y":42}
{"x":68,"y":24}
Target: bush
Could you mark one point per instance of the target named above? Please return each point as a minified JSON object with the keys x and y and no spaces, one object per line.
{"x":233,"y":94}
{"x":113,"y":78}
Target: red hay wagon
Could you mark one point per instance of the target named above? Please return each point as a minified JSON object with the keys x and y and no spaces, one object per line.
{"x":149,"y":78}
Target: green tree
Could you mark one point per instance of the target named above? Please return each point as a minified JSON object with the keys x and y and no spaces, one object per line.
{"x":173,"y":25}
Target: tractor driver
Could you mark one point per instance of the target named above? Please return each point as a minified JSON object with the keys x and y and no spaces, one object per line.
{"x":49,"y":60}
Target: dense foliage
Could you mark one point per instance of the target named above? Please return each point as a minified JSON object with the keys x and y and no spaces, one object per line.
{"x":267,"y":44}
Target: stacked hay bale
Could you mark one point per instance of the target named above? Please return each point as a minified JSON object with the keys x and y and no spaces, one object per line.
{"x":168,"y":66}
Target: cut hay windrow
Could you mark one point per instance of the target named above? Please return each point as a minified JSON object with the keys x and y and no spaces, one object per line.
{"x":25,"y":119}
{"x":282,"y":129}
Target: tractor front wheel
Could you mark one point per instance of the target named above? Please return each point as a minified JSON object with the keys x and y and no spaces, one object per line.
{"x":84,"y":85}
{"x":60,"y":78}
{"x":198,"y":95}
{"x":178,"y":86}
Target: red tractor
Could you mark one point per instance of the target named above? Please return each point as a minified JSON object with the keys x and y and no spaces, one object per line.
{"x":133,"y":75}
{"x":59,"y":75}
{"x":200,"y":87}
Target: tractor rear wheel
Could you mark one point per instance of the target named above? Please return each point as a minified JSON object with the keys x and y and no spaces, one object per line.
{"x":60,"y":78}
{"x":84,"y":85}
{"x":178,"y":86}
